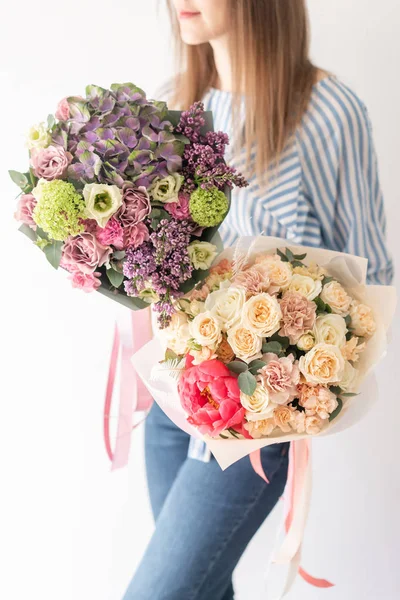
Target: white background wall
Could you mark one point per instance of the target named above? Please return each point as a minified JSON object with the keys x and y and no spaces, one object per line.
{"x":70,"y":529}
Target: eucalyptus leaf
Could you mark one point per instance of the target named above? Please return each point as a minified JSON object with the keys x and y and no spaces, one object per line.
{"x":237,"y":366}
{"x":53,"y":253}
{"x":283,"y":341}
{"x":19,"y":178}
{"x":247,"y":383}
{"x":41,"y":233}
{"x":50,"y":121}
{"x":115,"y":277}
{"x":256,"y":365}
{"x":337,"y":411}
{"x":274,"y":347}
{"x":119,"y":254}
{"x":28,"y":231}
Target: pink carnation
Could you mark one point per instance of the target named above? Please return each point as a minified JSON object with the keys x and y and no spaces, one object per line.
{"x":25,"y":208}
{"x":112,"y":234}
{"x":84,"y":253}
{"x":252,"y":280}
{"x":298,"y":316}
{"x":179,"y":210}
{"x":135,"y":235}
{"x":88,"y":282}
{"x":317,"y":400}
{"x":50,"y":163}
{"x":62,"y":112}
{"x":211,"y":395}
{"x":280,"y":377}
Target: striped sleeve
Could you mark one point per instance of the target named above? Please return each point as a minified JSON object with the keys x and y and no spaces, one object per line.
{"x":341,"y":180}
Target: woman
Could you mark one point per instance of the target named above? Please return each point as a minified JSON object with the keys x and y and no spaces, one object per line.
{"x":304,"y":139}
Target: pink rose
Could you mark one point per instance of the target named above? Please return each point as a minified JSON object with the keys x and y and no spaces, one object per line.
{"x":211,"y":396}
{"x":135,"y":206}
{"x":84,"y":253}
{"x":317,"y":400}
{"x":298,"y":315}
{"x":179,"y":210}
{"x":88,"y":282}
{"x":50,"y":163}
{"x":112,"y":234}
{"x":24,"y":212}
{"x":62,"y":112}
{"x":135,"y":235}
{"x":280,"y":377}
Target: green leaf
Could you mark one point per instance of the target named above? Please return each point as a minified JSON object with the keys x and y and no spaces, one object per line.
{"x":247,"y":383}
{"x":300,"y":256}
{"x":256,"y":365}
{"x":349,"y":335}
{"x":274,"y":347}
{"x":283,"y":256}
{"x":347,"y":320}
{"x":297,"y":263}
{"x":328,"y":309}
{"x":42,"y":234}
{"x":335,"y":389}
{"x":171,"y":355}
{"x":337,"y":411}
{"x":19,"y":178}
{"x":289,"y":254}
{"x":320,"y":304}
{"x":53,"y":253}
{"x":119,"y":254}
{"x":234,"y":433}
{"x":349,"y":395}
{"x":283,"y":341}
{"x":50,"y":121}
{"x":327,"y":280}
{"x":237,"y":366}
{"x":115,"y":277}
{"x":26,"y":230}
{"x":224,"y":437}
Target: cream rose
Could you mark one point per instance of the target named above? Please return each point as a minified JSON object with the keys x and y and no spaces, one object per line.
{"x":102,"y":201}
{"x":336,"y":296}
{"x":322,"y":364}
{"x":283,"y":417}
{"x":258,"y":406}
{"x":177,"y":334}
{"x":202,"y":254}
{"x":362,"y":320}
{"x":196,"y":307}
{"x":306,"y":342}
{"x":279,"y":273}
{"x":330,"y":329}
{"x":245,"y":343}
{"x":38,"y":137}
{"x":306,"y":286}
{"x":206,"y":329}
{"x":199,"y":356}
{"x":227,"y":304}
{"x":262,"y":314}
{"x":348,"y":382}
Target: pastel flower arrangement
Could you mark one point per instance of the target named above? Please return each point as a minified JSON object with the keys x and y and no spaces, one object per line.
{"x":126,"y":195}
{"x":267,"y":347}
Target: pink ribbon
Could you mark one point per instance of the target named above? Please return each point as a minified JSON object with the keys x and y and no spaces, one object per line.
{"x":134,"y":396}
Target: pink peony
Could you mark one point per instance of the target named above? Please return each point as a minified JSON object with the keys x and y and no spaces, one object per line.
{"x":62,"y":112}
{"x":88,"y":282}
{"x":298,"y":315}
{"x":211,"y":396}
{"x":179,"y":210}
{"x":135,"y":206}
{"x":135,"y":235}
{"x":280,"y":377}
{"x":317,"y":400}
{"x":112,"y":234}
{"x":84,"y":253}
{"x":50,"y":163}
{"x":24,"y":212}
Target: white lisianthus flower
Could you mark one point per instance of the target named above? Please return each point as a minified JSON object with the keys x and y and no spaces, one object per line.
{"x":348,"y":382}
{"x":330,"y":329}
{"x":102,"y":201}
{"x":245,"y":343}
{"x":262,"y":314}
{"x":323,"y":364}
{"x":202,"y":254}
{"x":166,"y":189}
{"x":38,"y":137}
{"x":305,"y":285}
{"x":227,"y":304}
{"x":205,"y":329}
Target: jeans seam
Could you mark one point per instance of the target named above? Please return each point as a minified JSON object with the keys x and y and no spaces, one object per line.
{"x":232,"y":531}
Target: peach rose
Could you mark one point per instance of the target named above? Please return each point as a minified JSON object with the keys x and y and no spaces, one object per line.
{"x":352,"y":349}
{"x":324,"y":364}
{"x":279,"y":272}
{"x":206,"y":329}
{"x":283,"y":417}
{"x":199,"y":356}
{"x":330,"y":329}
{"x":313,"y":270}
{"x":306,"y":286}
{"x":334,"y":294}
{"x":362,"y":320}
{"x":262,"y":314}
{"x":245,"y":343}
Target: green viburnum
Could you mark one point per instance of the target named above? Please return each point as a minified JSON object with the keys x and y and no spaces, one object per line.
{"x":59,"y":209}
{"x":208,"y":207}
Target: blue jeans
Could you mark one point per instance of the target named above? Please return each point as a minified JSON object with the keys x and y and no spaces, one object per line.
{"x":205,"y":517}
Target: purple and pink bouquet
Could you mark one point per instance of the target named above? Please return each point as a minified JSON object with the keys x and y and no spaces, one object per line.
{"x":126,"y":195}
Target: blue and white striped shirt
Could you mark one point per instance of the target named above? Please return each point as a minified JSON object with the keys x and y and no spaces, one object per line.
{"x":325,"y":191}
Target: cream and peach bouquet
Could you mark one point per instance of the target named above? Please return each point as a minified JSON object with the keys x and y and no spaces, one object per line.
{"x":272,"y":345}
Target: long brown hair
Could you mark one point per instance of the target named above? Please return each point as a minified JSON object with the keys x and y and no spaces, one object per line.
{"x":270,"y":65}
